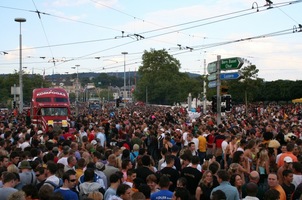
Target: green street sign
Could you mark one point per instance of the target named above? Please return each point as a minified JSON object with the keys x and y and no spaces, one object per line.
{"x":231,"y":63}
{"x":212,"y":77}
{"x":212,"y":67}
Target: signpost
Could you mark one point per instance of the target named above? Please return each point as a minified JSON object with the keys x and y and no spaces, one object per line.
{"x":230,"y":76}
{"x":231,"y":63}
{"x":212,"y":84}
{"x":215,"y":76}
{"x":212,"y":67}
{"x":212,"y":77}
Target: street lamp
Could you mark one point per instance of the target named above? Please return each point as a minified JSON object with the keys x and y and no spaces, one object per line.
{"x":20,"y":20}
{"x":77,"y":88}
{"x":124,"y":53}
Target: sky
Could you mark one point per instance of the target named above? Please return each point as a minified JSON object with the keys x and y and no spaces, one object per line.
{"x":76,"y":36}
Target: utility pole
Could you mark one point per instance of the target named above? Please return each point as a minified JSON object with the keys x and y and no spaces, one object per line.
{"x":204,"y":86}
{"x":20,"y":20}
{"x":218,"y":90}
{"x":124,"y":53}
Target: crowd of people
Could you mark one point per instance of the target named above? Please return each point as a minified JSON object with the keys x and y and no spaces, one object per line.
{"x":155,"y":152}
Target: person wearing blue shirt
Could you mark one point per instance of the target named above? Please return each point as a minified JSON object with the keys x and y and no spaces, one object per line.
{"x":230,"y":191}
{"x":69,"y":182}
{"x":164,"y":192}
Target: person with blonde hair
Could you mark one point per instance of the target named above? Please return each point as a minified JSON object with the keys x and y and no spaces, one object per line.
{"x":262,"y":166}
{"x":205,"y":186}
{"x":12,"y":168}
{"x":20,"y":195}
{"x":95,"y":195}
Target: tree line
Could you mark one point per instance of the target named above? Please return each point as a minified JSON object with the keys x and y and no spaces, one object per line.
{"x":159,"y":81}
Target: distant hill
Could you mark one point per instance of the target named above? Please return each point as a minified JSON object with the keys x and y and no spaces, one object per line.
{"x":116,"y":74}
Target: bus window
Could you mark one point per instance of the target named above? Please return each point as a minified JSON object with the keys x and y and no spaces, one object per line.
{"x":43,"y":100}
{"x":60,"y":100}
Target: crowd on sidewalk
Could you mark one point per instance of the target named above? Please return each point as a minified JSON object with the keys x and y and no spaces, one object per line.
{"x":155,"y":152}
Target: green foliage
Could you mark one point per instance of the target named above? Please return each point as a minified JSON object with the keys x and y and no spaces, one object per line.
{"x":30,"y":81}
{"x":161,"y":80}
{"x":250,"y":88}
{"x":247,"y":87}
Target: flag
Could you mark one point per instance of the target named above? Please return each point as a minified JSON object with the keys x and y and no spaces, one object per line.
{"x":44,"y":74}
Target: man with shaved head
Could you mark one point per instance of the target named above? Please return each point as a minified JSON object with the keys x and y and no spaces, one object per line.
{"x":110,"y":167}
{"x":254,"y":177}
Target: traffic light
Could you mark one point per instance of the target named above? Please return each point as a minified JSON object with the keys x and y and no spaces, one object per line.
{"x":228,"y":103}
{"x":214,"y":103}
{"x":14,"y":104}
{"x":223,"y":103}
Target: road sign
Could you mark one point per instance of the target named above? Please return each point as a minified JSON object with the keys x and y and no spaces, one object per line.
{"x":230,"y":76}
{"x":212,"y":67}
{"x":231,"y":63}
{"x":212,"y":84}
{"x":212,"y":77}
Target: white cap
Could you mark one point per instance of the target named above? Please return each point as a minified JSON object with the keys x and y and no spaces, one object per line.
{"x":94,"y":142}
{"x":40,"y":132}
{"x":288,"y":159}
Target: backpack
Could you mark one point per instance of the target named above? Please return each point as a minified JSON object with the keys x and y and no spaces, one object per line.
{"x":55,"y":186}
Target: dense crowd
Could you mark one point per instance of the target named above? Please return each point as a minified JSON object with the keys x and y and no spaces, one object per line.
{"x":155,"y":152}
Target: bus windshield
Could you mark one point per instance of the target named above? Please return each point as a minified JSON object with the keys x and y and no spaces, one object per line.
{"x":54,"y":111}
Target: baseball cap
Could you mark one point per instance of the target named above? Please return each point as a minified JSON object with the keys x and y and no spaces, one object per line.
{"x":94,"y":142}
{"x":288,"y":159}
{"x":99,"y":166}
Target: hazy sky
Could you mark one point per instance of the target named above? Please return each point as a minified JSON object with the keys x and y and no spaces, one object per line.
{"x":93,"y":33}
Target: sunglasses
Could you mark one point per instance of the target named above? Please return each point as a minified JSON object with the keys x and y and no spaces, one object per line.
{"x":73,"y":180}
{"x":37,"y":175}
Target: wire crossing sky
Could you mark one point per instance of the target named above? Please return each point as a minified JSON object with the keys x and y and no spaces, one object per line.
{"x":59,"y":34}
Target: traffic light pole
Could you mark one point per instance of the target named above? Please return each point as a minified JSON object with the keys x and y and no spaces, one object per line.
{"x":218,"y":90}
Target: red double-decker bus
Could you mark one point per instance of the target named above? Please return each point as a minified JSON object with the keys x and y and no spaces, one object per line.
{"x":50,"y":106}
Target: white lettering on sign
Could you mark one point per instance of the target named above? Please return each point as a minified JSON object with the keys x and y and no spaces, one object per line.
{"x":51,"y":92}
{"x":229,"y":75}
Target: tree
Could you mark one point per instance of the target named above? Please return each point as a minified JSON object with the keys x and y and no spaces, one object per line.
{"x":30,"y":82}
{"x":249,"y":84}
{"x":160,"y":80}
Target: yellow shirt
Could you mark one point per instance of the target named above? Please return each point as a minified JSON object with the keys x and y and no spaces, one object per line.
{"x":79,"y":173}
{"x":202,"y":147}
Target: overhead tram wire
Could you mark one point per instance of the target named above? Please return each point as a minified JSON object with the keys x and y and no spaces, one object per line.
{"x":273,"y":34}
{"x":114,"y":47}
{"x":223,"y":15}
{"x":60,"y":17}
{"x":146,"y":38}
{"x":225,"y":19}
{"x":66,"y":44}
{"x":132,"y":16}
{"x":190,"y":27}
{"x":288,"y":16}
{"x":47,"y":40}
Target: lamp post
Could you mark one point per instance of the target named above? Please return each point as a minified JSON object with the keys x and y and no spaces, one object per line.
{"x":77,"y":88}
{"x":20,"y":20}
{"x":124,"y":53}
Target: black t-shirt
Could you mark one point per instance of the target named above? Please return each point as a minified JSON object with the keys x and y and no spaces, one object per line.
{"x":298,"y":192}
{"x":143,"y":172}
{"x":268,"y":135}
{"x":289,"y":190}
{"x":177,"y":163}
{"x":173,"y":176}
{"x":193,"y":177}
